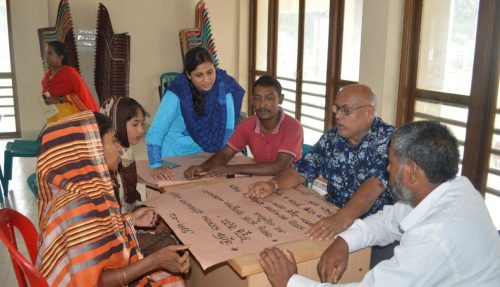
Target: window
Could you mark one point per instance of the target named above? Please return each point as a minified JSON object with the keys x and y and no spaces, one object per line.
{"x":8,"y":110}
{"x":450,"y":73}
{"x":300,"y":43}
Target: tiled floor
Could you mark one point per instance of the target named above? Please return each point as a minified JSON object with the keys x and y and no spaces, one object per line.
{"x":21,"y":199}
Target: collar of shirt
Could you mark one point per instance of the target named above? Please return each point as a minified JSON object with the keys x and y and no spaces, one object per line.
{"x":277,"y":128}
{"x":422,"y":210}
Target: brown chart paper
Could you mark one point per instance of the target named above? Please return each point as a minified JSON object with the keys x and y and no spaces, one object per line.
{"x":219,"y":223}
{"x":144,"y":172}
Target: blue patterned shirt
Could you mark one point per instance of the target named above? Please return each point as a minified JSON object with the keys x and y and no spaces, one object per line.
{"x":346,"y":167}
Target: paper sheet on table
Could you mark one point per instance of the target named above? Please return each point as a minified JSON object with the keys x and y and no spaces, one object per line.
{"x":219,"y":223}
{"x":144,"y":172}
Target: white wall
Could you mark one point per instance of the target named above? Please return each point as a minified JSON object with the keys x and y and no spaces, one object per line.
{"x":155,"y":47}
{"x":27,"y":17}
{"x":380,"y":52}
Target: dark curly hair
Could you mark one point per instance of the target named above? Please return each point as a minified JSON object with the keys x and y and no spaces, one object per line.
{"x":194,"y":57}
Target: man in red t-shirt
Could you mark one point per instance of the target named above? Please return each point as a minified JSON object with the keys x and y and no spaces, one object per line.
{"x":274,"y":138}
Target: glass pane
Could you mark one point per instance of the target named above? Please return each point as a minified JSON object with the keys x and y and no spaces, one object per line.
{"x":493,"y":205}
{"x":442,"y":110}
{"x":6,"y":101}
{"x":447,"y":43}
{"x":6,"y":111}
{"x":4,"y":39}
{"x":288,"y":31}
{"x":5,"y":82}
{"x":7,"y":124}
{"x":316,"y":26}
{"x":261,"y":35}
{"x":311,"y":137}
{"x":6,"y":92}
{"x":351,"y":40}
{"x":290,"y":95}
{"x":313,"y":95}
{"x":493,"y":182}
{"x":289,"y":102}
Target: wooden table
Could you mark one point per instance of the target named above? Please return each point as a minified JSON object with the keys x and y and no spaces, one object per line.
{"x":246,"y":271}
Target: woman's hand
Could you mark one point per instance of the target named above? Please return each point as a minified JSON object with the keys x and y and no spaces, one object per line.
{"x":169,"y":259}
{"x":145,"y":217}
{"x":162,"y":173}
{"x":194,"y":172}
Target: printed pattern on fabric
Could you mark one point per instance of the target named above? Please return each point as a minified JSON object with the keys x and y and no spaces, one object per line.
{"x":154,"y":155}
{"x":346,"y":167}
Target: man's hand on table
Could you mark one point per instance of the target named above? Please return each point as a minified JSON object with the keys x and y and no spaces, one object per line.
{"x":333,"y":261}
{"x":162,"y":173}
{"x":278,"y":265}
{"x":261,"y":189}
{"x":220,"y":170}
{"x":327,"y":227}
{"x":195,"y":172}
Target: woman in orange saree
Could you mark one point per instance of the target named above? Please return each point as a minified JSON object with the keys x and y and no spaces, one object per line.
{"x":62,"y":85}
{"x":84,"y":239}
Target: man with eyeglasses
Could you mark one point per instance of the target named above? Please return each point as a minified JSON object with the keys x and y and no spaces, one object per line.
{"x":352,"y":157}
{"x":446,"y":233}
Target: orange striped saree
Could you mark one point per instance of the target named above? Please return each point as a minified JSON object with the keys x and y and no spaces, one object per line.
{"x":82,"y":231}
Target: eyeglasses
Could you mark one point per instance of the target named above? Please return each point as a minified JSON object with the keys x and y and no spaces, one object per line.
{"x":347,"y":110}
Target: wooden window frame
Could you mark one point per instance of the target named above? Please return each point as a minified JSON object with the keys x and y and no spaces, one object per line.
{"x":11,"y":75}
{"x":484,"y":86}
{"x":333,"y":80}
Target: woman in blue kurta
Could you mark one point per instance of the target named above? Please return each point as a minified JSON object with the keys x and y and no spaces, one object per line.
{"x":198,"y":111}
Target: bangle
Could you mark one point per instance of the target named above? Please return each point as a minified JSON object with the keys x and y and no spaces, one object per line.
{"x":124,"y":278}
{"x":275,"y":185}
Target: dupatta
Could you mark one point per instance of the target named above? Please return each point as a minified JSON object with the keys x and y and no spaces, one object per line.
{"x":67,"y":81}
{"x":82,"y":231}
{"x":209,"y":130}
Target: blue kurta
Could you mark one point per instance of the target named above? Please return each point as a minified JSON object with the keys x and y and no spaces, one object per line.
{"x":167,"y":136}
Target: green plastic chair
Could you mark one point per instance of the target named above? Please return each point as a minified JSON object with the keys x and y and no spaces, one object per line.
{"x":165,"y":80}
{"x":17,"y":148}
{"x":305,"y":149}
{"x":32,"y":184}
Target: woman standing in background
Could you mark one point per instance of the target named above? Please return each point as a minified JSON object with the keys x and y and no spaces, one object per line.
{"x":63,"y":86}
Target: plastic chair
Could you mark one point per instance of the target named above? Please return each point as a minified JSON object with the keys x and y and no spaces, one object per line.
{"x":32,"y":184}
{"x":19,"y":148}
{"x":306,"y":148}
{"x":23,"y":268}
{"x":165,"y":80}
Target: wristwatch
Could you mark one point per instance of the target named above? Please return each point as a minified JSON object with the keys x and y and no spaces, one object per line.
{"x":61,"y":100}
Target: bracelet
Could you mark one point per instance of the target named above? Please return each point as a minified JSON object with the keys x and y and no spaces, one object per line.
{"x":275,"y":185}
{"x":61,"y":100}
{"x":124,"y":278}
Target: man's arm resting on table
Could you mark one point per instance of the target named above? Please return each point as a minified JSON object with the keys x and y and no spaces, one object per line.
{"x":361,"y":201}
{"x":287,"y":179}
{"x":219,"y":158}
{"x":283,"y":161}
